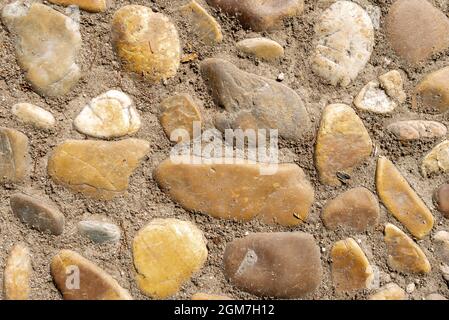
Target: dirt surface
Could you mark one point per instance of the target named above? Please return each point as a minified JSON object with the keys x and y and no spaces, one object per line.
{"x":145,"y":201}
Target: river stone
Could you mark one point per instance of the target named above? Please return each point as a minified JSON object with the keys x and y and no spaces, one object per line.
{"x":14,"y":155}
{"x":435,"y":296}
{"x":390,"y":291}
{"x":350,"y":267}
{"x":167,"y":252}
{"x":404,"y":254}
{"x":417,"y":130}
{"x":401,"y":200}
{"x":432,"y":93}
{"x":416,"y":30}
{"x":254,"y":102}
{"x":441,"y":238}
{"x":355,"y":210}
{"x":437,"y":160}
{"x":277,"y":264}
{"x":146,"y":42}
{"x":88,"y":5}
{"x":228,"y":190}
{"x":109,"y":115}
{"x":393,"y":85}
{"x":373,"y":98}
{"x":38,"y":213}
{"x":207,"y":296}
{"x":99,"y":231}
{"x":262,"y":48}
{"x":344,"y":41}
{"x":79,"y":279}
{"x":47,"y":46}
{"x":17,"y":274}
{"x":342,"y":143}
{"x":260,"y":15}
{"x":34,"y":115}
{"x":104,"y":175}
{"x":441,"y":198}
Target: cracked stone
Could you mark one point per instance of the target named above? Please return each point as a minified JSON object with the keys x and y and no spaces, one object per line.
{"x":14,"y":155}
{"x":432,"y":93}
{"x":441,"y":198}
{"x":417,"y":130}
{"x":390,"y":291}
{"x":262,"y":48}
{"x":437,"y":160}
{"x":34,"y":115}
{"x":17,"y":274}
{"x":87,"y":5}
{"x":99,"y":231}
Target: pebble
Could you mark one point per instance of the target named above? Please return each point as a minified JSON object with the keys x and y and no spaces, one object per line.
{"x":432,"y":93}
{"x":262,"y":48}
{"x":254,"y":102}
{"x":344,"y":41}
{"x":276,"y":264}
{"x":390,"y":291}
{"x":374,"y":99}
{"x":404,"y":254}
{"x":444,"y":268}
{"x":355,"y":210}
{"x":99,"y":231}
{"x":109,"y":115}
{"x":87,"y":5}
{"x":79,"y":279}
{"x":416,"y":30}
{"x":351,"y":269}
{"x":102,"y":176}
{"x":14,"y":156}
{"x":38,"y":213}
{"x":207,"y":296}
{"x":441,"y":198}
{"x":34,"y":115}
{"x":437,"y":160}
{"x":401,"y":200}
{"x":410,"y":288}
{"x":229,"y":190}
{"x":393,"y":85}
{"x":167,"y":252}
{"x":47,"y":46}
{"x":441,"y":238}
{"x":435,"y":296}
{"x":17,"y":274}
{"x":417,"y":130}
{"x":342,"y":143}
{"x":146,"y":42}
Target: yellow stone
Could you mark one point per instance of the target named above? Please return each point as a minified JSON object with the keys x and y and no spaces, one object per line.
{"x":433,"y":92}
{"x":99,"y":169}
{"x":401,"y":200}
{"x":437,"y":160}
{"x":262,"y":48}
{"x":350,"y":267}
{"x":18,"y":273}
{"x":88,"y":5}
{"x":404,"y":255}
{"x":14,"y":155}
{"x":167,"y":252}
{"x":390,"y":291}
{"x":207,"y":296}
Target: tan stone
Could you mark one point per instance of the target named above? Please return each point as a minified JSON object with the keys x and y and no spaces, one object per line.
{"x":401,"y":200}
{"x":437,"y":160}
{"x":33,"y":115}
{"x":88,"y":5}
{"x":228,"y":190}
{"x":167,"y":252}
{"x":67,"y":267}
{"x":342,"y":143}
{"x":262,"y":48}
{"x":207,"y":296}
{"x":390,"y":291}
{"x":432,"y":93}
{"x":373,"y":98}
{"x":17,"y":274}
{"x":435,"y":296}
{"x":99,"y":169}
{"x":14,"y":155}
{"x":404,"y":255}
{"x":393,"y":85}
{"x":417,"y":130}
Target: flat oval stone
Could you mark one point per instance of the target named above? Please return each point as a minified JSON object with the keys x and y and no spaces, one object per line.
{"x":98,"y":169}
{"x":437,"y":160}
{"x":38,"y":213}
{"x":342,"y":143}
{"x":109,"y":115}
{"x":350,"y":267}
{"x":260,"y":15}
{"x":390,"y":291}
{"x":355,"y":210}
{"x":417,"y":130}
{"x":416,"y":29}
{"x":17,"y":274}
{"x":79,"y":279}
{"x":34,"y":115}
{"x":88,"y":5}
{"x":374,"y":99}
{"x":14,"y":155}
{"x":207,"y":296}
{"x":254,"y":102}
{"x":47,"y":46}
{"x":262,"y":48}
{"x":277,"y":264}
{"x":441,"y":239}
{"x":404,"y":254}
{"x":432,"y":93}
{"x":146,"y":42}
{"x":99,"y":231}
{"x":441,"y":198}
{"x":228,"y":190}
{"x":180,"y":248}
{"x":401,"y":200}
{"x":344,"y":41}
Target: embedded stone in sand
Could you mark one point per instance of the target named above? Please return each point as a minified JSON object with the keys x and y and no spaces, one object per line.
{"x":390,"y":291}
{"x":16,"y":278}
{"x":432,"y":93}
{"x":88,"y":5}
{"x":417,"y":129}
{"x":262,"y":48}
{"x":34,"y":115}
{"x":14,"y":155}
{"x":437,"y":160}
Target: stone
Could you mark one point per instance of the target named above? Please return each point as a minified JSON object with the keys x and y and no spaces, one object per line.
{"x":104,"y":175}
{"x":401,"y":200}
{"x":404,"y":255}
{"x":109,"y":115}
{"x":417,"y":130}
{"x":416,"y":30}
{"x":204,"y":26}
{"x":432,"y":93}
{"x":390,"y":291}
{"x":38,"y":213}
{"x":207,"y":296}
{"x":179,"y":112}
{"x":393,"y":85}
{"x":344,"y":41}
{"x":228,"y":190}
{"x":34,"y":115}
{"x":441,"y":239}
{"x":146,"y":42}
{"x":180,"y":248}
{"x":342,"y":143}
{"x":47,"y":46}
{"x":444,"y":268}
{"x":260,"y":15}
{"x":410,"y":288}
{"x":17,"y":274}
{"x":254,"y":102}
{"x":441,"y":198}
{"x":87,"y":5}
{"x":373,"y":98}
{"x":355,"y":210}
{"x":435,"y":296}
{"x":262,"y":48}
{"x":276,"y":264}
{"x":79,"y":279}
{"x":99,"y":231}
{"x":350,"y":267}
{"x":14,"y":155}
{"x":437,"y":160}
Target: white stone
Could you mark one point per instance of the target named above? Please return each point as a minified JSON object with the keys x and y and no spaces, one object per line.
{"x":34,"y":115}
{"x":373,"y":98}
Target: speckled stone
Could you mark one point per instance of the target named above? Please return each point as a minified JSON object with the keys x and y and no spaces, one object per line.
{"x":437,"y":160}
{"x":17,"y":274}
{"x":88,"y":5}
{"x":14,"y":155}
{"x":432,"y":93}
{"x":262,"y":48}
{"x":390,"y":291}
{"x":417,"y":130}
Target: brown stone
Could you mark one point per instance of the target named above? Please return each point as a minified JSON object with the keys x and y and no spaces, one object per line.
{"x":17,"y":274}
{"x":14,"y":156}
{"x":278,"y":264}
{"x":88,"y":5}
{"x":390,"y":291}
{"x":417,"y":130}
{"x":207,"y":296}
{"x":441,"y":197}
{"x":432,"y":93}
{"x":261,"y":48}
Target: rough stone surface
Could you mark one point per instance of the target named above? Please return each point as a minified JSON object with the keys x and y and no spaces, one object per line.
{"x":207,"y":296}
{"x":262,"y":48}
{"x":374,"y":99}
{"x":278,"y":264}
{"x":393,"y":85}
{"x":441,"y":239}
{"x":88,"y":5}
{"x":34,"y":115}
{"x":441,"y":198}
{"x":432,"y":93}
{"x":417,"y":129}
{"x":437,"y":160}
{"x":14,"y":155}
{"x":390,"y":291}
{"x":17,"y":274}
{"x":99,"y":231}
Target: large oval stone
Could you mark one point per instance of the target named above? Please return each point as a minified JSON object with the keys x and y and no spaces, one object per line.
{"x":14,"y":155}
{"x":17,"y":275}
{"x":437,"y":160}
{"x":278,"y":264}
{"x":432,"y":93}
